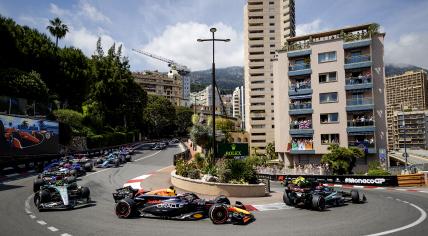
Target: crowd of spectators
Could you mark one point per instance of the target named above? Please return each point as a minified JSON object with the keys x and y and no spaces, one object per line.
{"x":301,"y":169}
{"x":301,"y":124}
{"x":303,"y":84}
{"x":302,"y":144}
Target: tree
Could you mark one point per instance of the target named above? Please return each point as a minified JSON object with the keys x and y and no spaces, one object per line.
{"x":159,"y":116}
{"x":57,"y":29}
{"x":270,"y":151}
{"x":17,"y":83}
{"x":183,"y":120}
{"x":199,"y":134}
{"x":340,"y":159}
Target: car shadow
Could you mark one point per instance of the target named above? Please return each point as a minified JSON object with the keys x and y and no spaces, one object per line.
{"x":5,"y":187}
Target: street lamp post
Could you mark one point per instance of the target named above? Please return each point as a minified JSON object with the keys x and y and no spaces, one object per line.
{"x":213,"y":39}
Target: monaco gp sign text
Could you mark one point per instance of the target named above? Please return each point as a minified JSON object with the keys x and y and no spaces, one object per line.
{"x":364,"y":181}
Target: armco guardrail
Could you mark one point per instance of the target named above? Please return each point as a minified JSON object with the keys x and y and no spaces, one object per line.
{"x":411,"y":180}
{"x":185,"y":155}
{"x":6,"y":161}
{"x":341,"y":179}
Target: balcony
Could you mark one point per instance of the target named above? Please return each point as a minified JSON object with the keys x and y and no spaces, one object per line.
{"x":299,"y":69}
{"x":301,"y":128}
{"x":300,"y":109}
{"x":361,"y":82}
{"x":301,"y":146}
{"x":358,"y":126}
{"x":359,"y":61}
{"x":367,"y":145}
{"x":357,"y":43}
{"x":303,"y":52}
{"x":301,"y":88}
{"x":359,"y":104}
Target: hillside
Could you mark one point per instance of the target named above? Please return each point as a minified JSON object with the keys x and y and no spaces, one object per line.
{"x":231,"y":77}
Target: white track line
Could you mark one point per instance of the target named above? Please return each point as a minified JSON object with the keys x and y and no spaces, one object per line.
{"x":65,"y":234}
{"x":32,"y":216}
{"x":42,"y":222}
{"x":418,"y":221}
{"x":53,"y":229}
{"x":12,"y":175}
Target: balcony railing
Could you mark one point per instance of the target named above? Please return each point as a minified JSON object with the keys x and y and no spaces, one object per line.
{"x":303,"y":66}
{"x":363,"y":143}
{"x":357,"y":59}
{"x":358,"y":80}
{"x":359,"y":123}
{"x":307,"y":124}
{"x":359,"y":101}
{"x":300,"y":106}
{"x":302,"y":85}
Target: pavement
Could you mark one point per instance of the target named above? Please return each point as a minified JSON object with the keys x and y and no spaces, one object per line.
{"x":386,"y":212}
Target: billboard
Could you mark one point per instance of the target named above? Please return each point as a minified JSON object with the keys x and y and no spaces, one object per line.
{"x":24,"y":136}
{"x":234,"y":150}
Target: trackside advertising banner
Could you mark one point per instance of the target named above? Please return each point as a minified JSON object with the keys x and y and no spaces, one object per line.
{"x":233,"y":150}
{"x":24,"y":136}
{"x":343,"y":179}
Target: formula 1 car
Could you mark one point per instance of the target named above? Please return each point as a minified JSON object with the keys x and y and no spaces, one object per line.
{"x":312,"y":194}
{"x":109,"y":161}
{"x":187,"y":206}
{"x":61,"y":194}
{"x":49,"y":176}
{"x":82,"y":160}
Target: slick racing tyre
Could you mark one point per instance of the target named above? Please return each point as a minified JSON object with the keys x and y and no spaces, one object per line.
{"x":41,"y":197}
{"x":219,"y":214}
{"x":88,"y":167}
{"x":318,"y":202}
{"x":125,"y":208}
{"x":37,"y":184}
{"x":288,"y":200}
{"x":85,"y":193}
{"x":73,"y":173}
{"x":355,"y":196}
{"x":70,"y":179}
{"x":128,"y":158}
{"x":222,"y":200}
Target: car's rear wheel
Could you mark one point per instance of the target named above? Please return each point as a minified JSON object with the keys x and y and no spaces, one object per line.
{"x":125,"y":208}
{"x":355,"y":196}
{"x":116,"y":163}
{"x":88,"y":167}
{"x":219,"y":214}
{"x":288,"y":200}
{"x":85,"y":193}
{"x":318,"y":202}
{"x":222,"y":200}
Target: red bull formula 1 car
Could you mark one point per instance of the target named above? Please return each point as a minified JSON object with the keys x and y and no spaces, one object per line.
{"x":166,"y":204}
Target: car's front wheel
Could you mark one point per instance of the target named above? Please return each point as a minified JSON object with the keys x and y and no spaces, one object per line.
{"x":219,"y":214}
{"x":288,"y":199}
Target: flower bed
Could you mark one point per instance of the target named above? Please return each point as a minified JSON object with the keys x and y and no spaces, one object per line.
{"x":212,"y":188}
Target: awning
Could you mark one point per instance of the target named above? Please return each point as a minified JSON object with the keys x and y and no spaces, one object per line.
{"x":301,"y":97}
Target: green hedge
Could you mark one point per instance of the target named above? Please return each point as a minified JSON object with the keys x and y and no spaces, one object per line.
{"x":109,"y":139}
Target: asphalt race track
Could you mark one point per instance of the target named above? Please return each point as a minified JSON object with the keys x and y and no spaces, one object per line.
{"x":396,"y":212}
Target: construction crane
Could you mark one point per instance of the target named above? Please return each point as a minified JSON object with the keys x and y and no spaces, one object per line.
{"x":181,"y":69}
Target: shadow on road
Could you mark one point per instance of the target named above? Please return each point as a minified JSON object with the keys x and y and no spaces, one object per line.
{"x":4,"y":187}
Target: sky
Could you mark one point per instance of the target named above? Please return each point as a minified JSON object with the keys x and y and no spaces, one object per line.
{"x":169,"y":28}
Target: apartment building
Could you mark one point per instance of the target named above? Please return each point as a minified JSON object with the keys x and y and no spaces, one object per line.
{"x":267,"y":25}
{"x":404,"y":92}
{"x":410,"y":128}
{"x":329,"y":89}
{"x":168,"y":85}
{"x":186,"y":91}
{"x":238,"y":105}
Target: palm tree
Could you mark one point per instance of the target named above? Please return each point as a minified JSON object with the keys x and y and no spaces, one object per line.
{"x":57,"y":29}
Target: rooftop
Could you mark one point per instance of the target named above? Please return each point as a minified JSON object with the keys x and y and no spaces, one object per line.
{"x":348,"y":34}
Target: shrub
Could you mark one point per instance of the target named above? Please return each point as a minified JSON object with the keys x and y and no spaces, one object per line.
{"x":194,"y":174}
{"x":187,"y":169}
{"x":231,"y":170}
{"x":375,"y":169}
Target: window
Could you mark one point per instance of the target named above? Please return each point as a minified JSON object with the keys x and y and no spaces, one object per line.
{"x":258,"y":126}
{"x":258,"y":82}
{"x":258,"y":134}
{"x":258,"y":96}
{"x":271,"y":24}
{"x":258,"y":141}
{"x":271,"y":17}
{"x":271,"y":31}
{"x":328,"y":97}
{"x":272,"y":38}
{"x":329,"y":118}
{"x":326,"y":57}
{"x":257,"y":118}
{"x":327,"y":139}
{"x":327,"y":77}
{"x":272,"y":45}
{"x":258,"y":89}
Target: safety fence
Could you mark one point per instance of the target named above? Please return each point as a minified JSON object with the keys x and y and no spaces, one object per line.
{"x":184,"y":155}
{"x":411,"y":180}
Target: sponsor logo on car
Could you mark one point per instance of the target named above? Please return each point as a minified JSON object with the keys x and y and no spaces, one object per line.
{"x":169,"y":205}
